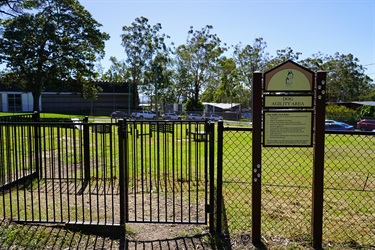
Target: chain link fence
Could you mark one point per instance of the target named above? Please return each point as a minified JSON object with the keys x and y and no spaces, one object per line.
{"x":287,"y":173}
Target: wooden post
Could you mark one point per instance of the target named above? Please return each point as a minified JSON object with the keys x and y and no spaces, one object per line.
{"x":318,"y":172}
{"x":257,"y":158}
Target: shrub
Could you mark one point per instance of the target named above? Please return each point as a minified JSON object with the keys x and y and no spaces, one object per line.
{"x":366,"y":111}
{"x":189,"y":106}
{"x":341,"y":114}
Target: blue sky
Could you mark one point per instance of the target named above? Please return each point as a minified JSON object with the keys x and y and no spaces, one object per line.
{"x":307,"y":26}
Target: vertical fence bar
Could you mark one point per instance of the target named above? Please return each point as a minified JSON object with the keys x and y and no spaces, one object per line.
{"x":36,"y":118}
{"x":210,"y":130}
{"x":86,"y":149}
{"x":219,"y":199}
{"x":318,"y":172}
{"x":122,"y":172}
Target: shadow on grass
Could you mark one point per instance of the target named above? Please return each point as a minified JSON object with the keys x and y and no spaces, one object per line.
{"x":46,"y":236}
{"x":195,"y":242}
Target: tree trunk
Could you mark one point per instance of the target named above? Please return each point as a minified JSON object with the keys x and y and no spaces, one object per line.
{"x":36,"y":97}
{"x":134,"y":97}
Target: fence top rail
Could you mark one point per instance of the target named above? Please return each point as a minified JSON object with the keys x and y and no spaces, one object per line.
{"x":80,"y":122}
{"x":351,"y":132}
{"x":327,"y":132}
{"x":238,"y":129}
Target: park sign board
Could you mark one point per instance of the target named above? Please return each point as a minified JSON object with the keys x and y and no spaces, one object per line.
{"x":289,"y":111}
{"x":288,"y":77}
{"x":288,"y":102}
{"x":291,"y":128}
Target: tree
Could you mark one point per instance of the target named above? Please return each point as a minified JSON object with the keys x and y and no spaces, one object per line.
{"x":90,"y":92}
{"x":10,"y":7}
{"x":56,"y":43}
{"x":142,"y":43}
{"x":229,"y":81}
{"x":197,"y":60}
{"x":116,"y":72}
{"x":250,"y":59}
{"x":283,"y":55}
{"x":158,"y":79}
{"x":347,"y":80}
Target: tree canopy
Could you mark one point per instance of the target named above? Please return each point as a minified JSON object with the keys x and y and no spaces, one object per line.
{"x":52,"y":43}
{"x":10,"y":7}
{"x":205,"y":69}
{"x":144,"y":46}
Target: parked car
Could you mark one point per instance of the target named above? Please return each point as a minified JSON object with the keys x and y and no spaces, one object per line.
{"x":194,"y":116}
{"x":366,"y":125}
{"x":214,"y":117}
{"x":331,"y":125}
{"x":118,"y":115}
{"x":144,"y":114}
{"x":171,"y":116}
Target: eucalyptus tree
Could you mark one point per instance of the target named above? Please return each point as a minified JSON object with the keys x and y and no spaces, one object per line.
{"x":10,"y":7}
{"x":158,"y":81}
{"x":282,"y":55}
{"x":142,"y":42}
{"x":250,"y":58}
{"x":117,"y":72}
{"x":197,"y":59}
{"x":52,"y":44}
{"x":229,"y":81}
{"x":346,"y":78}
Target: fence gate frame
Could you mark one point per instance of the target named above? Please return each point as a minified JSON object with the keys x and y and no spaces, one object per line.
{"x":195,"y":137}
{"x":80,"y":157}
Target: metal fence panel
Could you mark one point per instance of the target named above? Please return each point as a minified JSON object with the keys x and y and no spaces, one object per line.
{"x":59,"y":191}
{"x":61,"y":172}
{"x":166,"y":171}
{"x":349,"y":193}
{"x":237,"y":180}
{"x":349,"y":188}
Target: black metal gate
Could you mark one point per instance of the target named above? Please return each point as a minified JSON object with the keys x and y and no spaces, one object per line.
{"x":98,"y":176}
{"x":168,"y":171}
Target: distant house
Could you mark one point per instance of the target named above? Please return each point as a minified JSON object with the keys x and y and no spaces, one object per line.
{"x":115,"y":96}
{"x":211,"y":107}
{"x":229,"y":111}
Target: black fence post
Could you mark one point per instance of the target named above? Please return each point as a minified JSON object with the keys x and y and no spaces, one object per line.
{"x":122,"y":177}
{"x":219,"y":199}
{"x":37,"y":138}
{"x":211,"y":131}
{"x":86,"y":149}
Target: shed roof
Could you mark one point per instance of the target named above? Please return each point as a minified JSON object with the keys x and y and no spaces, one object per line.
{"x":367,"y":103}
{"x":222,"y":105}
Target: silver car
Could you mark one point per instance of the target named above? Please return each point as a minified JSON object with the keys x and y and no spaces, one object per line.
{"x":214,"y":117}
{"x":194,"y":116}
{"x":171,"y":116}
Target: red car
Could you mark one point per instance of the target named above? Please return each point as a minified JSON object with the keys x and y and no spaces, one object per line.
{"x":366,"y":125}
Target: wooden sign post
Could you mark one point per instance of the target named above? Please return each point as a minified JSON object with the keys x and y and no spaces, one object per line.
{"x":289,"y":111}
